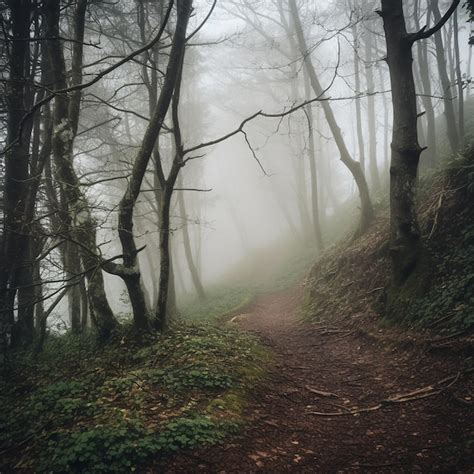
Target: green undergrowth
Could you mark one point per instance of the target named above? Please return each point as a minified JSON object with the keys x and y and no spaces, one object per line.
{"x":80,"y":408}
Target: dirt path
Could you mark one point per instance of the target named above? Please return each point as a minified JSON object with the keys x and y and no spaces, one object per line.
{"x":425,"y":435}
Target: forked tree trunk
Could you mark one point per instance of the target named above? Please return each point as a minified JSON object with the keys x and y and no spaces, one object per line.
{"x":405,"y":241}
{"x":130,"y":272}
{"x":161,"y":319}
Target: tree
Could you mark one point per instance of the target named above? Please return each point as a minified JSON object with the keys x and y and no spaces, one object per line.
{"x":129,"y":271}
{"x":367,"y":212}
{"x":82,"y":231}
{"x":406,"y":248}
{"x":451,"y":126}
{"x":14,"y":239}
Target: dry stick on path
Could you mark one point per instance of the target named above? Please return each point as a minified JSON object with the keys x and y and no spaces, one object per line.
{"x":418,"y":394}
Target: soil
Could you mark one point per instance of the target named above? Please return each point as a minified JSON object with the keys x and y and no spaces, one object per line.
{"x":332,"y":369}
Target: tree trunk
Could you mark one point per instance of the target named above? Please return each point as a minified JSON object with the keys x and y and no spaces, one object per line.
{"x":174,"y":72}
{"x":452,"y":130}
{"x":386,"y":145}
{"x":360,"y":137}
{"x":187,"y":248}
{"x":367,"y":212}
{"x":84,"y":305}
{"x":429,"y":157}
{"x":299,"y":171}
{"x":14,"y":242}
{"x":373,"y":169}
{"x":131,"y":275}
{"x":313,"y":172}
{"x":72,"y":268}
{"x":459,"y":78}
{"x":405,"y":241}
{"x":161,"y":315}
{"x":66,"y":116}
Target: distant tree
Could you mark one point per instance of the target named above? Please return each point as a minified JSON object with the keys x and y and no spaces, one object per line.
{"x":367,"y":211}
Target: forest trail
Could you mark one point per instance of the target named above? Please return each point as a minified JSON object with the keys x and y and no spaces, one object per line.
{"x":321,"y":369}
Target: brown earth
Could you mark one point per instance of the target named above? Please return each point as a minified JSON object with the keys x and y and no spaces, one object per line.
{"x":381,"y":422}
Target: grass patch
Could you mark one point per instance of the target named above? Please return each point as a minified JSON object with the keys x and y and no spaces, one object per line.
{"x":81,"y":408}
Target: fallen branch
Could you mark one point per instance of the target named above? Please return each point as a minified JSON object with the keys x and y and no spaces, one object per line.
{"x":380,"y":288}
{"x":435,"y":221}
{"x":321,"y":393}
{"x":448,"y":337}
{"x":418,"y":394}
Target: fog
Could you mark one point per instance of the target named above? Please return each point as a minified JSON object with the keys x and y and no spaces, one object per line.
{"x":272,"y":175}
{"x":256,"y":187}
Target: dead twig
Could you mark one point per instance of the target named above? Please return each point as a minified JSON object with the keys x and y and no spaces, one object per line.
{"x":321,"y":393}
{"x":435,"y":221}
{"x":418,"y":394}
{"x":447,"y":338}
{"x":380,"y":288}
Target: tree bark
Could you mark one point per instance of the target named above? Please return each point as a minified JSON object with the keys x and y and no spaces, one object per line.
{"x":407,"y":252}
{"x":405,"y":241}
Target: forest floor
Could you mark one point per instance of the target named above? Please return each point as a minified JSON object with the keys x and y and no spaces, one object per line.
{"x":395,"y":409}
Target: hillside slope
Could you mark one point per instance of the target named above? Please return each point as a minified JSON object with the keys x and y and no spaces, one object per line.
{"x":349,"y":282}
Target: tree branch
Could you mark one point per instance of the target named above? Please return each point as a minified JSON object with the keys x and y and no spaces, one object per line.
{"x":426,"y":33}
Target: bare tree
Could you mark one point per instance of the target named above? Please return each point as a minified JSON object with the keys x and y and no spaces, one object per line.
{"x":367,"y":212}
